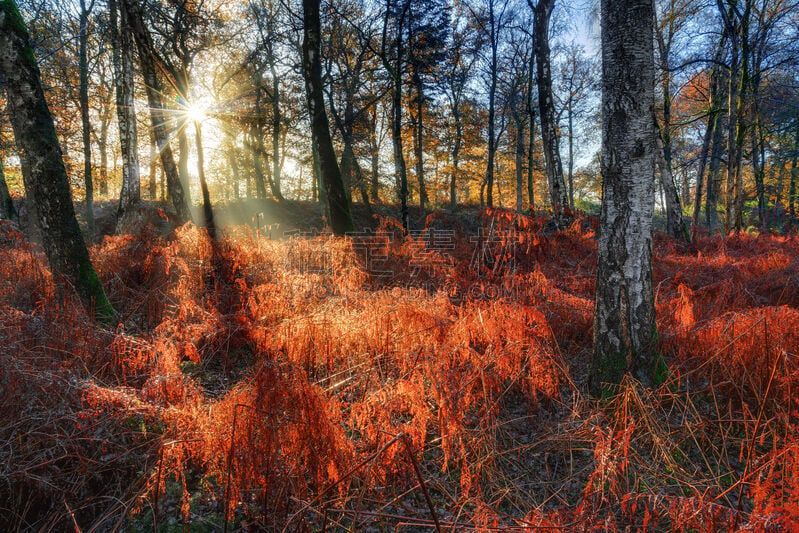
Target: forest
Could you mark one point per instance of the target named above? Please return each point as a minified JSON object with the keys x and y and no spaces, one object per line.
{"x":399,"y":265}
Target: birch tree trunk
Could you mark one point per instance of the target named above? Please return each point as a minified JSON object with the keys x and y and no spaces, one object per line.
{"x":624,"y":316}
{"x":675,"y":225}
{"x":558,"y":195}
{"x":7,"y":209}
{"x":492,"y":92}
{"x":374,"y":148}
{"x":122,"y":57}
{"x":43,"y":167}
{"x":531,"y":134}
{"x":102,"y":147}
{"x":86,"y":125}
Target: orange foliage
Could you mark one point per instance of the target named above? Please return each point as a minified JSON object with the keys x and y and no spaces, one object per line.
{"x":284,"y":379}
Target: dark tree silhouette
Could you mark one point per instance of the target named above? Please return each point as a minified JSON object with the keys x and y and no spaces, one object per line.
{"x":338,"y":201}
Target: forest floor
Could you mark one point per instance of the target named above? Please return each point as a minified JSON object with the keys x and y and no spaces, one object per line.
{"x":281,"y":379}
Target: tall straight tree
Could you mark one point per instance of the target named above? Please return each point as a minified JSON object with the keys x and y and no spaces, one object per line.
{"x":713,"y":126}
{"x":396,"y":15}
{"x":83,"y":99}
{"x":531,"y":127}
{"x":493,"y":27}
{"x":665,"y":30}
{"x":122,"y":58}
{"x":575,"y":83}
{"x":624,"y":315}
{"x":428,"y":31}
{"x":458,"y":65}
{"x":338,"y":201}
{"x":43,"y":167}
{"x":558,"y":195}
{"x":736,"y":24}
{"x":158,"y":119}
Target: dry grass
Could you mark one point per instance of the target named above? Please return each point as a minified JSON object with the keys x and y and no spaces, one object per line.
{"x":283,"y":385}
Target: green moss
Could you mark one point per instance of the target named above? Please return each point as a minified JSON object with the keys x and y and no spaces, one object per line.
{"x":92,"y":289}
{"x":17,"y":24}
{"x":662,"y":373}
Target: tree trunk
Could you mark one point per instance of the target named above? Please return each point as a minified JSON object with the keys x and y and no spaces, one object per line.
{"x":256,"y":148}
{"x":235,"y":174}
{"x":758,"y":145}
{"x":558,"y":196}
{"x":349,"y":161}
{"x":794,"y":175}
{"x":338,"y":203}
{"x":492,"y":91}
{"x":519,"y":149}
{"x":375,"y":156}
{"x":122,"y":49}
{"x":276,"y":118}
{"x":183,"y":155}
{"x":456,"y":155}
{"x":712,"y":124}
{"x":418,"y":134}
{"x":571,"y":153}
{"x":158,"y":117}
{"x":675,"y":225}
{"x":208,"y":212}
{"x":531,"y":134}
{"x":759,"y":172}
{"x":7,"y":209}
{"x":86,"y":126}
{"x":102,"y":146}
{"x":732,"y":108}
{"x":737,"y":27}
{"x":153,"y":170}
{"x":400,"y":168}
{"x":740,"y":130}
{"x":714,"y":178}
{"x":43,"y":167}
{"x":778,"y":173}
{"x":624,"y":319}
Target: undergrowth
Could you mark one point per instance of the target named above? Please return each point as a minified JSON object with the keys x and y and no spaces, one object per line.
{"x":377,"y":382}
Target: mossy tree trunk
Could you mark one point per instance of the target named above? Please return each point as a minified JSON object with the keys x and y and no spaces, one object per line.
{"x":43,"y":167}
